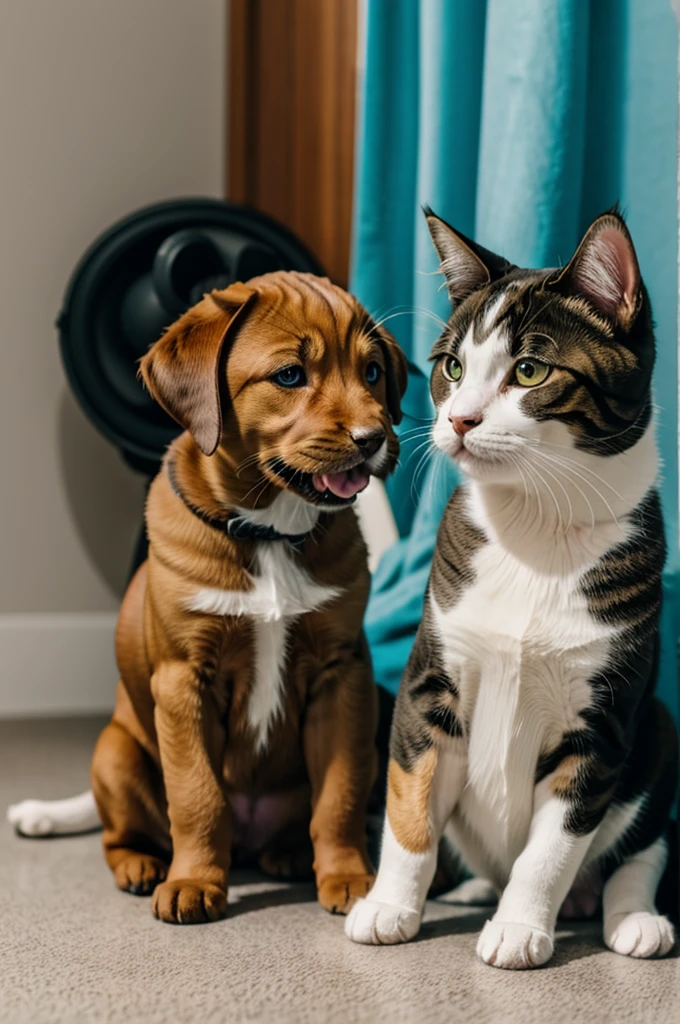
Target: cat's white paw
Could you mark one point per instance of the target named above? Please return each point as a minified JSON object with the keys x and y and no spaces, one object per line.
{"x":514,"y":947}
{"x":640,"y":934}
{"x":381,"y":924}
{"x":31,"y":818}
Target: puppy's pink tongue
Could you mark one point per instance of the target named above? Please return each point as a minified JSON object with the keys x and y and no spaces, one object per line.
{"x":343,"y":485}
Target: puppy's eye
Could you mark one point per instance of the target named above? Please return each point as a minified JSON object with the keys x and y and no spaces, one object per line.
{"x":530,"y":372}
{"x":290,"y":377}
{"x":373,"y":371}
{"x":452,"y":369}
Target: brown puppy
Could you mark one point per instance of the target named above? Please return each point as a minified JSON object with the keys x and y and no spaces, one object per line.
{"x":246,"y":712}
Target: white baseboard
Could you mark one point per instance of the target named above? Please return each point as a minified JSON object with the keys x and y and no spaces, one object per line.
{"x":54,"y":664}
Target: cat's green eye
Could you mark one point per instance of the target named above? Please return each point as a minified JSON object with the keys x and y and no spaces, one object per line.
{"x":452,"y":369}
{"x":530,"y":372}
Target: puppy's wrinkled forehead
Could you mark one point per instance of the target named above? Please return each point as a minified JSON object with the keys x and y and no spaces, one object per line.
{"x":319,"y":319}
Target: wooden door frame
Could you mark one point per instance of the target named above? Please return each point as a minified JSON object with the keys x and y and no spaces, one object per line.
{"x":291,"y":118}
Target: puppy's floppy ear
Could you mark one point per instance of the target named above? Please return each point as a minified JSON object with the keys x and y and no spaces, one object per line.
{"x":466,"y":266}
{"x":396,"y":373}
{"x":182,"y":369}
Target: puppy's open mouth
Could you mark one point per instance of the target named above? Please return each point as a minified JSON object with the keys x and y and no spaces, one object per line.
{"x":339,"y":487}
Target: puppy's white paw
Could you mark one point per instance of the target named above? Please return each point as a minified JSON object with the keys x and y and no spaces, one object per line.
{"x":379,"y":924}
{"x":640,"y":934}
{"x":31,"y":818}
{"x":514,"y":947}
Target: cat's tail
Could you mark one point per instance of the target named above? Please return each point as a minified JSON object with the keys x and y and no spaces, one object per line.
{"x":55,"y":817}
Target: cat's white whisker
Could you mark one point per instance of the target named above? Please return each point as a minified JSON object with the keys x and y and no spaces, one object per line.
{"x":539,"y":503}
{"x":566,"y":496}
{"x":580,"y":465}
{"x":555,"y":459}
{"x":423,"y":444}
{"x":397,"y":311}
{"x":422,"y":462}
{"x":583,"y":495}
{"x":527,"y":504}
{"x":414,"y":433}
{"x":550,"y":491}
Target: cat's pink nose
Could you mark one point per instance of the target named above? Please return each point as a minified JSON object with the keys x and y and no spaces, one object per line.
{"x":461,"y":424}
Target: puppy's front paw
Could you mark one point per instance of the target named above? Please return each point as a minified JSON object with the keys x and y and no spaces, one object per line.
{"x":139,"y":874}
{"x":339,"y":893}
{"x":514,"y":947}
{"x":378,"y":924}
{"x":641,"y":934}
{"x":185,"y":901}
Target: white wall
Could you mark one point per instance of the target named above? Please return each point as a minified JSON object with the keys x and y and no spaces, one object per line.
{"x":105,"y":105}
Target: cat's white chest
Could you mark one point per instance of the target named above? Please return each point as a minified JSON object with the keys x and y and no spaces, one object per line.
{"x":513,"y":609}
{"x":521,"y":648}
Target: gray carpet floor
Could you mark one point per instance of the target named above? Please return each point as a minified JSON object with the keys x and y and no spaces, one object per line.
{"x":74,"y":949}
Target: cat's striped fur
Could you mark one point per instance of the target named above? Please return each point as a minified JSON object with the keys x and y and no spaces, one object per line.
{"x":526,"y":727}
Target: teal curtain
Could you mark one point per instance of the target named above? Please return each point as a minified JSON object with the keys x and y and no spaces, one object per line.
{"x":518,"y":121}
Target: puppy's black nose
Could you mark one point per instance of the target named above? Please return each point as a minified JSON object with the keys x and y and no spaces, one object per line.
{"x":369,"y":440}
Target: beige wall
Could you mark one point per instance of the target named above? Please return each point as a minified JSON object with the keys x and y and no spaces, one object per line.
{"x":105,"y":105}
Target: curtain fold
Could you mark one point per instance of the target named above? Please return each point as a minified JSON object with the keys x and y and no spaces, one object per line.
{"x":518,"y":121}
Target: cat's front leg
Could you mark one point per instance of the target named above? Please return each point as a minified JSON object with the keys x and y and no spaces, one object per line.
{"x":427,"y":772}
{"x":521,"y":933}
{"x":419,"y":802}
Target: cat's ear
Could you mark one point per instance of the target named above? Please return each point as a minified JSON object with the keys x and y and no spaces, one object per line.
{"x":604,"y":269}
{"x":465,"y":265}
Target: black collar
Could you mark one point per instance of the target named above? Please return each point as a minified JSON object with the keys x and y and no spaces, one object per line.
{"x":235,"y":525}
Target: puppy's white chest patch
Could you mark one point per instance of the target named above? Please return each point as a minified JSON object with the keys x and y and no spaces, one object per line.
{"x":283,"y":590}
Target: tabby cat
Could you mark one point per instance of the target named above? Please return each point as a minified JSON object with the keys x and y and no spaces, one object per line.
{"x":526,"y":729}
